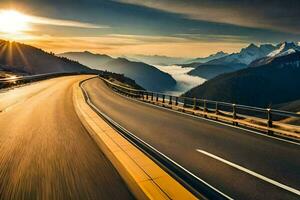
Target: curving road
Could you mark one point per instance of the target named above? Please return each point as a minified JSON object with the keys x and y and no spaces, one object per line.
{"x":241,"y":164}
{"x":45,"y":152}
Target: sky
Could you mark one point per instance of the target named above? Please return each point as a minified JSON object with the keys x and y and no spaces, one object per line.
{"x":178,"y":28}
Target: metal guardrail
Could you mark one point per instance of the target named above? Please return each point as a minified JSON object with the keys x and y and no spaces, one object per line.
{"x":32,"y":77}
{"x":235,"y":111}
{"x":15,"y":80}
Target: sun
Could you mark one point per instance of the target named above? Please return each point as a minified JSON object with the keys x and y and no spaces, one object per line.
{"x":12,"y":21}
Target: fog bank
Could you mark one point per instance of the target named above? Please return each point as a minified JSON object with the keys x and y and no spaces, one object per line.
{"x":184,"y":81}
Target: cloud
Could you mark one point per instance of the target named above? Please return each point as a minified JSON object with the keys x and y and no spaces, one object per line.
{"x":215,"y":38}
{"x":266,"y":14}
{"x":142,"y":39}
{"x":59,"y":22}
{"x":47,"y":21}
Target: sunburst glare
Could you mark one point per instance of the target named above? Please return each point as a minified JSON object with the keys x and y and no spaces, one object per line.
{"x":13,"y":22}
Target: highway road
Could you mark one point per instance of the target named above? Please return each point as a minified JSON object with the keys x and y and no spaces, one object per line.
{"x":46,"y":153}
{"x":241,"y":164}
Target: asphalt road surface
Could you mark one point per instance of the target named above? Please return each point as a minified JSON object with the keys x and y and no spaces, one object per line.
{"x":241,"y":164}
{"x":45,"y":152}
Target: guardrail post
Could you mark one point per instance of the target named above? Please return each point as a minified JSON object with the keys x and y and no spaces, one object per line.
{"x":143,"y":95}
{"x":156,"y":97}
{"x":270,"y":121}
{"x":135,"y":93}
{"x":152,"y":96}
{"x":176,"y":101}
{"x":234,"y":114}
{"x":184,"y":102}
{"x":131,"y":93}
{"x":204,"y":108}
{"x":163,"y":96}
{"x":147,"y":95}
{"x":170,"y":100}
{"x":217,"y":108}
{"x":195,"y":103}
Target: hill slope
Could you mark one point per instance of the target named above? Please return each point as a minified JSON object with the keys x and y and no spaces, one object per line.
{"x":208,"y":71}
{"x":145,"y":75}
{"x":88,"y":58}
{"x":274,"y":83}
{"x":25,"y":58}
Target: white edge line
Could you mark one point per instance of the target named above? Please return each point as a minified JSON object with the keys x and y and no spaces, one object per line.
{"x":218,"y":122}
{"x":257,"y":175}
{"x":175,"y":163}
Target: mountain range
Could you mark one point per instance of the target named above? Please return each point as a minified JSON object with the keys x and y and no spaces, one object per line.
{"x":166,"y":60}
{"x":272,"y":79}
{"x":275,"y":82}
{"x":252,"y":55}
{"x":149,"y":77}
{"x":217,"y":55}
{"x":281,"y":49}
{"x":246,"y":55}
{"x":156,"y":59}
{"x":22,"y":59}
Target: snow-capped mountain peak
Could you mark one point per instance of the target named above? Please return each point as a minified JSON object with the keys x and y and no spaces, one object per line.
{"x":259,"y":54}
{"x":287,"y":52}
{"x":284,"y":48}
{"x":281,"y":49}
{"x":250,"y":53}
